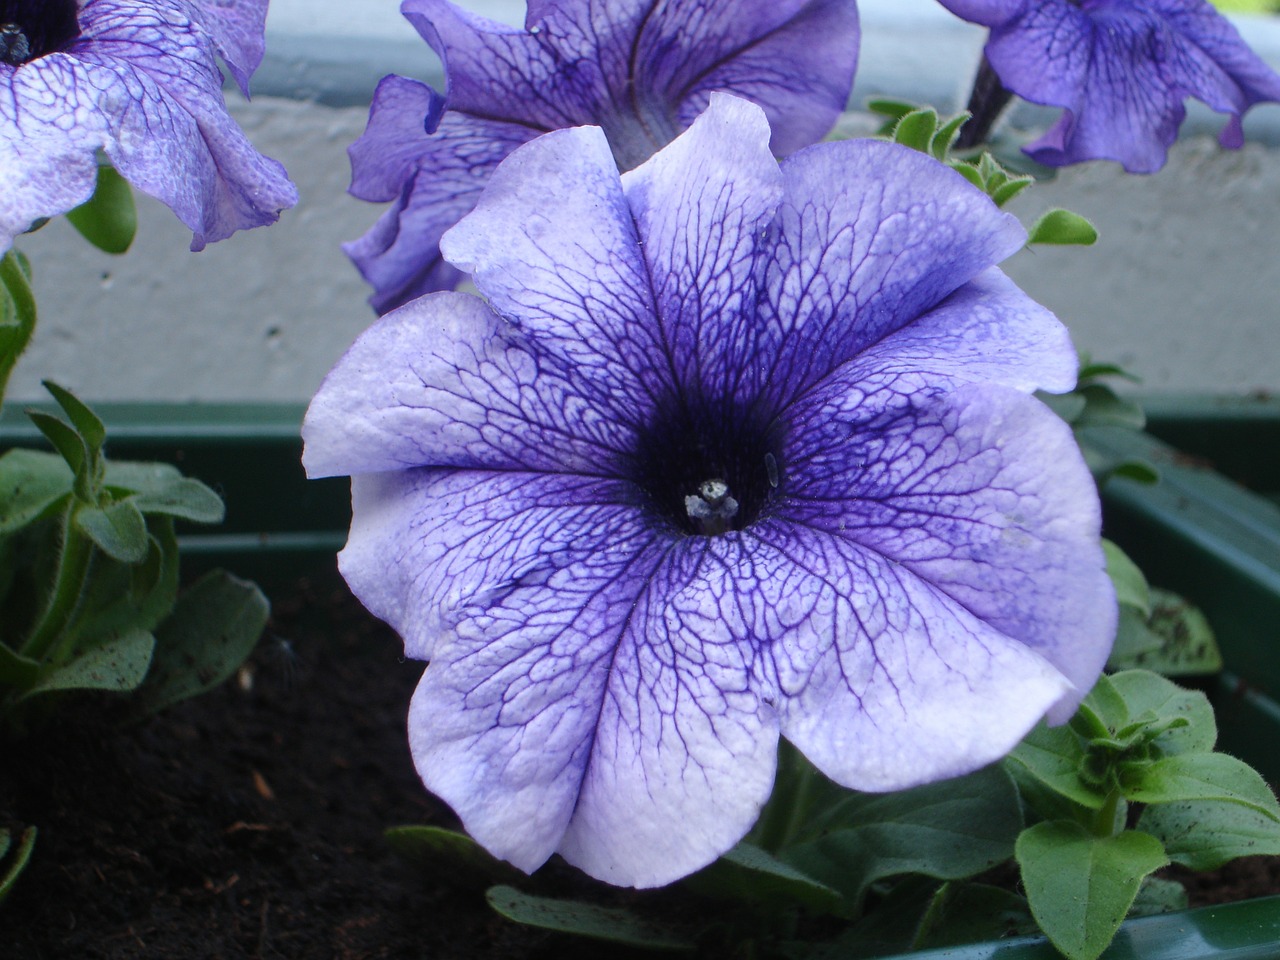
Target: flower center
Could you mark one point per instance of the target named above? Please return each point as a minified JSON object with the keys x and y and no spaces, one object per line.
{"x":32,"y":28}
{"x":708,"y":471}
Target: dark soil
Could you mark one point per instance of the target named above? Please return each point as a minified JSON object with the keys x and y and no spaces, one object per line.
{"x":248,"y":823}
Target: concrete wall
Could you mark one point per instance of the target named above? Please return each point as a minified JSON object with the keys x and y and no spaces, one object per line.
{"x":1184,"y":287}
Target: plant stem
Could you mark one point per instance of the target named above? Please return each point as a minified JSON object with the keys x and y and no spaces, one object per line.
{"x":986,"y":103}
{"x":16,"y":333}
{"x":1104,"y":822}
{"x":47,"y":640}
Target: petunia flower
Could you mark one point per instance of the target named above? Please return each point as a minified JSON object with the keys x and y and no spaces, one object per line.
{"x":138,"y":80}
{"x":1122,"y":69}
{"x":640,"y":69}
{"x":731,"y":450}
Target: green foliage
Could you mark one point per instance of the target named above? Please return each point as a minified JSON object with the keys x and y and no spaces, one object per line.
{"x":17,"y":312}
{"x":1062,"y":227}
{"x":1138,"y":741}
{"x":108,"y":219}
{"x":89,"y":577}
{"x":611,"y":924}
{"x":13,"y":860}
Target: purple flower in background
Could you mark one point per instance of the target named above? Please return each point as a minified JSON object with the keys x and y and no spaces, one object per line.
{"x":731,"y":450}
{"x":640,"y":69}
{"x":1122,"y":69}
{"x":138,"y":80}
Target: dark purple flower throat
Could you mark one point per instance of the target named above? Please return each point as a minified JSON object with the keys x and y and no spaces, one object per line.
{"x":32,"y":28}
{"x":708,"y":469}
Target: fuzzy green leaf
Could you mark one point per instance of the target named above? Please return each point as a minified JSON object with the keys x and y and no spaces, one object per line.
{"x":108,"y":219}
{"x":946,"y":136}
{"x":613,"y":924}
{"x":34,"y":485}
{"x":949,"y":830}
{"x":117,"y":529}
{"x":1181,"y":641}
{"x":1199,"y":776}
{"x":1064,"y":228}
{"x":748,"y":873}
{"x":119,"y":665}
{"x":1052,"y":756}
{"x":441,"y":852}
{"x":1152,"y":696}
{"x":1131,"y":585}
{"x":916,"y":129}
{"x":161,"y":488}
{"x":214,"y":626}
{"x":86,"y":423}
{"x":1204,"y":835}
{"x":1079,"y":885}
{"x":1010,"y":189}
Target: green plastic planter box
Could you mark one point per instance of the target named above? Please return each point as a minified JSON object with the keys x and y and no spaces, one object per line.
{"x":1197,"y":532}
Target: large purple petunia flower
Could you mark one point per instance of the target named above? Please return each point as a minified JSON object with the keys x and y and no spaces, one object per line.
{"x":733,"y":449}
{"x":640,"y":69}
{"x":137,"y":79}
{"x":1122,"y":69}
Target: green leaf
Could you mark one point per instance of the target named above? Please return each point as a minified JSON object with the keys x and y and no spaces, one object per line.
{"x":1052,"y":757}
{"x":949,"y":830}
{"x":17,"y":312}
{"x":1183,"y":643}
{"x":1133,"y":640}
{"x":119,"y":665}
{"x":946,"y":136}
{"x":19,"y":861}
{"x":85,"y":421}
{"x":161,"y":488}
{"x":68,"y":443}
{"x":16,"y":670}
{"x":1068,"y":406}
{"x":1131,"y":585}
{"x":1105,"y":408}
{"x":1139,"y":471}
{"x":751,"y":874}
{"x":614,"y":924}
{"x":448,"y":853}
{"x":1199,"y":776}
{"x":1079,"y":885}
{"x":34,"y":485}
{"x":1157,"y":896}
{"x":117,"y":529}
{"x":916,"y":129}
{"x":1146,"y":694}
{"x":886,"y":107}
{"x":965,"y":913}
{"x":213,"y":627}
{"x":1010,"y":189}
{"x":108,"y":219}
{"x":969,"y":172}
{"x":1060,"y":226}
{"x":1207,"y":834}
{"x":1093,"y":371}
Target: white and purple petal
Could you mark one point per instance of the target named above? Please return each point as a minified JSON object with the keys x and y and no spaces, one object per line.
{"x":869,"y":236}
{"x":141,"y":84}
{"x":642,"y":70}
{"x":1121,"y":69}
{"x":975,"y":489}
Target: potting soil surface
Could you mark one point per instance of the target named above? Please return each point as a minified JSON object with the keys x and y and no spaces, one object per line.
{"x":249,"y":822}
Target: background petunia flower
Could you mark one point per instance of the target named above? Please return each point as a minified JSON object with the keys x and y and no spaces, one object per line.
{"x":733,"y":449}
{"x":138,"y":80}
{"x":1122,"y":69}
{"x":640,"y":69}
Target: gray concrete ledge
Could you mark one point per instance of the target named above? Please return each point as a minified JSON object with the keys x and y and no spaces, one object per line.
{"x":1184,"y":287}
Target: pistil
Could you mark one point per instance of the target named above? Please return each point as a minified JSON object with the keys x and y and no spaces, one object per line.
{"x":712,"y":509}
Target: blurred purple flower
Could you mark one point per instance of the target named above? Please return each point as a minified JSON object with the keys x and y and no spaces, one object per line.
{"x":731,"y":450}
{"x":138,"y":80}
{"x":1122,"y":69}
{"x":640,"y":69}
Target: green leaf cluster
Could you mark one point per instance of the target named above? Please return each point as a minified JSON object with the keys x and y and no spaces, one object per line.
{"x":892,"y":870}
{"x":89,"y":595}
{"x":1139,"y":751}
{"x":1094,"y":403}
